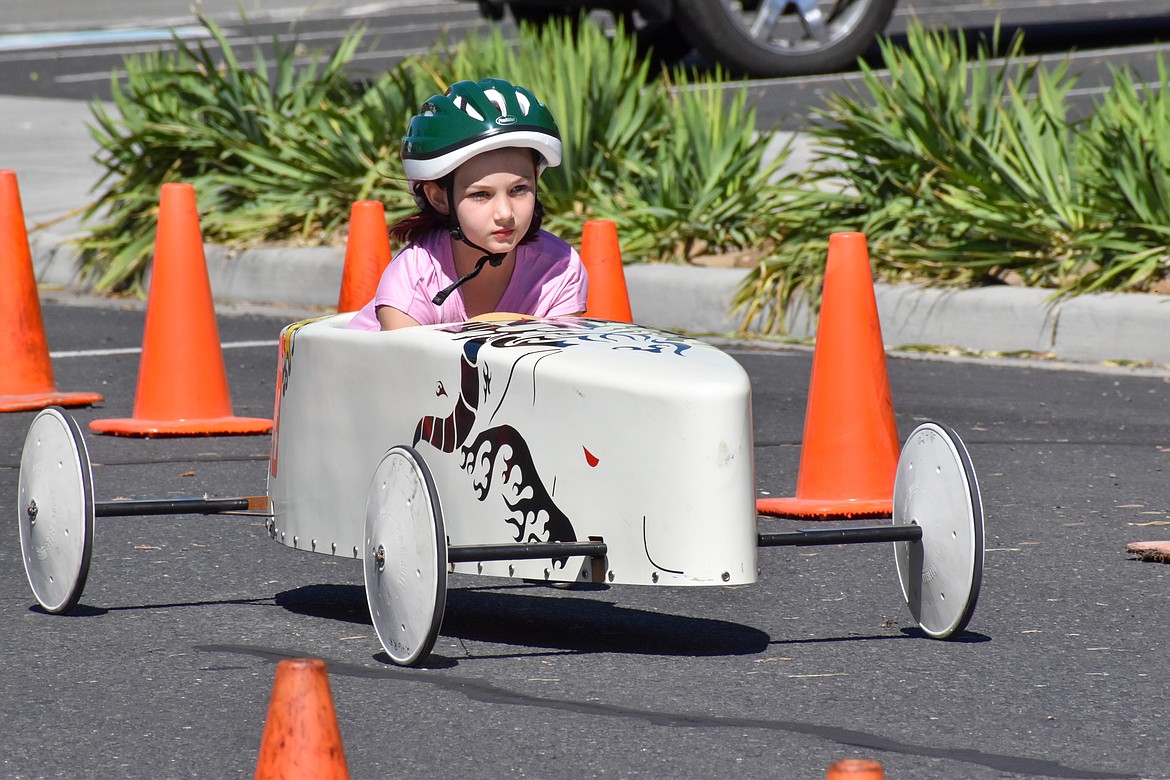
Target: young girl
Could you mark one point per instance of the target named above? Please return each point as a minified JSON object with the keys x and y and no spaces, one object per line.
{"x":472,"y":158}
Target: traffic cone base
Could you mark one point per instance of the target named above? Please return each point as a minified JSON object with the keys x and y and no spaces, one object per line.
{"x":812,"y":508}
{"x":37,"y":401}
{"x":222,"y":426}
{"x":301,"y":738}
{"x":182,"y":381}
{"x":849,"y":451}
{"x":367,"y":253}
{"x":26,"y":382}
{"x":601,"y":255}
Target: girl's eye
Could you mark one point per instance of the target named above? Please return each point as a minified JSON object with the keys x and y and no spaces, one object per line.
{"x":520,"y":189}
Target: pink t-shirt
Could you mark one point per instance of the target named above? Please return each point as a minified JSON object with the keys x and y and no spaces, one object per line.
{"x":548,"y":281}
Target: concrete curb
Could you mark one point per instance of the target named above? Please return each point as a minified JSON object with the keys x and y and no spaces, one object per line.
{"x":1115,"y":327}
{"x":1091,"y":328}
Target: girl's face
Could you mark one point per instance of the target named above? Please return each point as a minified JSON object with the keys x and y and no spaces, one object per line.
{"x":495,"y":198}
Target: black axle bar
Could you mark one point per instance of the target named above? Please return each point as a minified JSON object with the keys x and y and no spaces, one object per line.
{"x":853,"y":535}
{"x":469,"y":553}
{"x":177,"y":506}
{"x":502,"y":552}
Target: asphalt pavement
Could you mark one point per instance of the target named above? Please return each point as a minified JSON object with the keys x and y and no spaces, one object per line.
{"x":165,"y":668}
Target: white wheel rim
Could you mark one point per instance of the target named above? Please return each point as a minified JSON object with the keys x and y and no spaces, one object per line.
{"x":55,"y":510}
{"x":935,"y":488}
{"x":405,"y":557}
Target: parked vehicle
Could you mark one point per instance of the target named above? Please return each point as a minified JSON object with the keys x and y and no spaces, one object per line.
{"x":758,"y":38}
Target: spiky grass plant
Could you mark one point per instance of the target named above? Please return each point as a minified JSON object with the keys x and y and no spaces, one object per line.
{"x":278,"y":149}
{"x":962,"y":167}
{"x":1127,"y":148}
{"x":970,"y":168}
{"x":669,"y":157}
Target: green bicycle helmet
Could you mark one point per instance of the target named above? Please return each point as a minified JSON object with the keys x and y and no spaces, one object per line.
{"x":476,"y":117}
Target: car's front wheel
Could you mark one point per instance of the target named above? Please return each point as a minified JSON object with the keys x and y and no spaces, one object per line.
{"x":769,"y":38}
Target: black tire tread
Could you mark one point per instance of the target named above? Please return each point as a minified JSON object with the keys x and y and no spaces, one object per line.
{"x":709,"y":26}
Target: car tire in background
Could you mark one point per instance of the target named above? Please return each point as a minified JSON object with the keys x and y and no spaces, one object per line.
{"x":771,"y":38}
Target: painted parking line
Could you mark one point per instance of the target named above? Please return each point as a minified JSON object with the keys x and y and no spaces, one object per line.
{"x":80,"y":353}
{"x":23,"y":41}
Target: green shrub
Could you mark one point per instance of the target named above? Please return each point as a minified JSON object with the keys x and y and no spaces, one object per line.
{"x":972,"y":170}
{"x":1127,"y":146}
{"x":278,"y":152}
{"x":961,"y":167}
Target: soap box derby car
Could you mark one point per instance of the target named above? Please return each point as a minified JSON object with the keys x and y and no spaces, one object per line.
{"x":566,"y":451}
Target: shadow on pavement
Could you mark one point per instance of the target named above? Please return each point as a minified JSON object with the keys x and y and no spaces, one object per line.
{"x":558,"y":622}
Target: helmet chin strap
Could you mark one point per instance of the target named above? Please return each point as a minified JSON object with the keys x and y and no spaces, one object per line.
{"x":495,"y":258}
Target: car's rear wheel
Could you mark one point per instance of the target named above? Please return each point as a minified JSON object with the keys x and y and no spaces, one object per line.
{"x":769,"y":38}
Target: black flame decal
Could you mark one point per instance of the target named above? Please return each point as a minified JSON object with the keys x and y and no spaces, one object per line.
{"x":499,"y":460}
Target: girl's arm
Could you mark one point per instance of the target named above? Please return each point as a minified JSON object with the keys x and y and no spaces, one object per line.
{"x":390,"y":318}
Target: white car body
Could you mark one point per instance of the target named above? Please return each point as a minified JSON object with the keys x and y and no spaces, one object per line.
{"x":533,"y":431}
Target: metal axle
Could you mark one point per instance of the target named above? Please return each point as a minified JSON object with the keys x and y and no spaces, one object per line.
{"x":178,"y":506}
{"x":456,"y":554}
{"x":469,"y":553}
{"x":853,"y":535}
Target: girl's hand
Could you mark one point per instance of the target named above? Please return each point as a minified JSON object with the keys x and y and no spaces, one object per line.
{"x":499,"y":316}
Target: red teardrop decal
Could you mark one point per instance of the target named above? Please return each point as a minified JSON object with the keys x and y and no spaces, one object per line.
{"x":590,"y":458}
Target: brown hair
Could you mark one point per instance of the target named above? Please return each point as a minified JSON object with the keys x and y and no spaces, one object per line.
{"x":425,"y":220}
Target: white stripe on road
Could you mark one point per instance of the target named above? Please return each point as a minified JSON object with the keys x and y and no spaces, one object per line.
{"x":74,"y":353}
{"x":20,"y":42}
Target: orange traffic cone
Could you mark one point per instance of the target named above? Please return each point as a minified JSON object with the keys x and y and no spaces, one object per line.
{"x":849,"y":452}
{"x":301,"y":739}
{"x":608,"y":298}
{"x":367,"y":253}
{"x":26,"y":382}
{"x":182,"y":383}
{"x":856,"y":769}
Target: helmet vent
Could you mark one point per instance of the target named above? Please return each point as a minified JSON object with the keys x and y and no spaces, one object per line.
{"x":462,"y":104}
{"x":524,"y":102}
{"x":496,"y":99}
